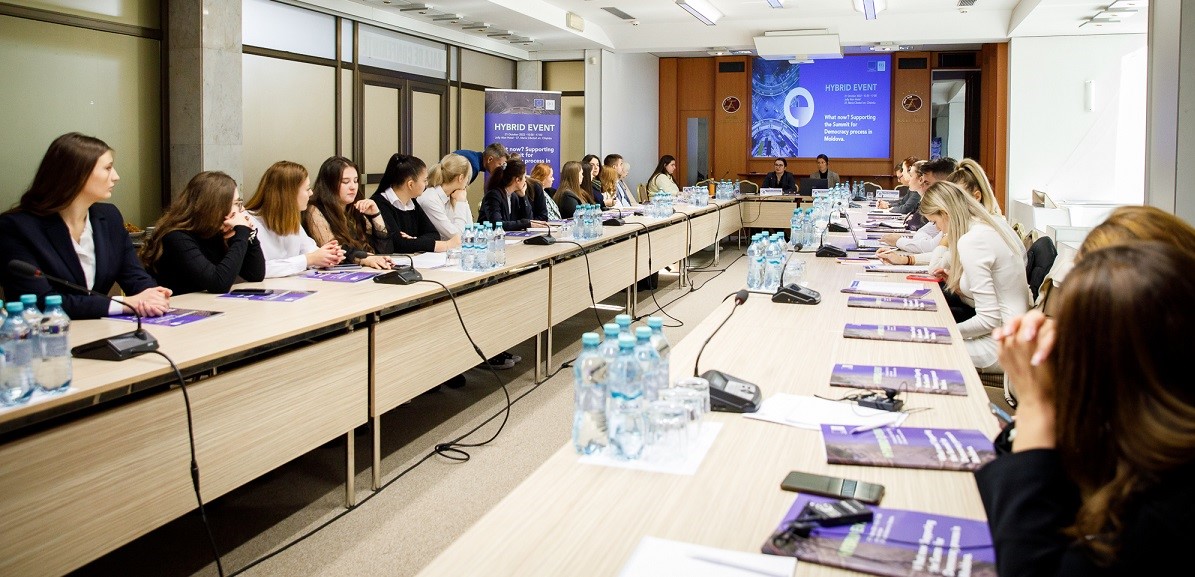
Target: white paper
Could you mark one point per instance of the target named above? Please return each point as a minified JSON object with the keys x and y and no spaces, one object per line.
{"x":656,"y":557}
{"x":687,"y":466}
{"x":811,"y":413}
{"x":427,"y":260}
{"x":905,"y":268}
{"x":891,"y":289}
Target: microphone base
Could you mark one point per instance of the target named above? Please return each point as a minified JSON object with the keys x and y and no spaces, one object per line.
{"x":830,"y":250}
{"x":613,"y":222}
{"x":401,"y":275}
{"x":117,"y":348}
{"x":541,"y":240}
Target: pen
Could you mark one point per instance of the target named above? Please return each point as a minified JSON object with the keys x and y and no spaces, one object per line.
{"x":733,"y":565}
{"x":865,"y":428}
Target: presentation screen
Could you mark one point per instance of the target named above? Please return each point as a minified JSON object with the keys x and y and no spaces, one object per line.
{"x":840,"y":107}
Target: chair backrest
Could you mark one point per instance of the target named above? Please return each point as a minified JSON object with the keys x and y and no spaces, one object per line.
{"x":1039,"y":259}
{"x":870,"y":187}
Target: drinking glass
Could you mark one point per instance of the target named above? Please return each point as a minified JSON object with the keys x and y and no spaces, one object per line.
{"x":668,"y":423}
{"x":701,"y":386}
{"x":693,"y":403}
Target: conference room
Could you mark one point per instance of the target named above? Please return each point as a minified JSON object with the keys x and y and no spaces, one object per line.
{"x":322,"y":439}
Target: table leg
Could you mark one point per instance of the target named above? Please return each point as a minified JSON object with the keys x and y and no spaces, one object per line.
{"x":350,"y":473}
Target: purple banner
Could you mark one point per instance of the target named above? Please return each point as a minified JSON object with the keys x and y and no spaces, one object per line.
{"x":278,"y":295}
{"x":896,"y":543}
{"x":526,"y":122}
{"x":866,"y":302}
{"x":342,"y":275}
{"x":901,"y":333}
{"x":914,"y":379}
{"x":172,"y":318}
{"x":908,"y":447}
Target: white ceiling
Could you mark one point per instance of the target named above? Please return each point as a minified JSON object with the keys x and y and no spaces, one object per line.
{"x":665,"y":29}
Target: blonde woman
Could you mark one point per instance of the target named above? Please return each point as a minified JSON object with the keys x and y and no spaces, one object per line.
{"x":985,"y":268}
{"x":608,"y":182}
{"x":445,"y":201}
{"x":276,"y":210}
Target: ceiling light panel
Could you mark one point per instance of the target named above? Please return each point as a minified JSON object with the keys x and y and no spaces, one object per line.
{"x":701,"y":10}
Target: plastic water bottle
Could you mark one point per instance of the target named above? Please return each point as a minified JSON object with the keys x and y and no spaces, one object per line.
{"x":589,"y":397}
{"x":649,"y":365}
{"x":625,"y":416}
{"x":499,"y":240}
{"x":624,"y":324}
{"x":468,"y":251}
{"x":33,"y":318}
{"x":609,"y":346}
{"x":52,"y":366}
{"x":16,"y":374}
{"x":658,"y":339}
{"x":484,"y":249}
{"x":755,"y":263}
{"x":773,"y":264}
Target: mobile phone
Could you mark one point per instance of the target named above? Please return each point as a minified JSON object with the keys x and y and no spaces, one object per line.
{"x":833,"y":487}
{"x":251,"y":291}
{"x":923,"y":278}
{"x":1000,"y":413}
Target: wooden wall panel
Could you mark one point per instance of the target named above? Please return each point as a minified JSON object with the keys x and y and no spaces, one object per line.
{"x":910,"y":130}
{"x":669,"y":127}
{"x":694,"y":83}
{"x":732,"y":121}
{"x":993,"y":136}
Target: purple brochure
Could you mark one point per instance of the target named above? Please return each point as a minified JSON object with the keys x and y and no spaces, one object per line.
{"x":908,"y":447}
{"x":896,"y":543}
{"x":342,"y":275}
{"x":172,"y":318}
{"x":871,"y":302}
{"x":901,"y":333}
{"x":908,"y":379}
{"x":275,"y":295}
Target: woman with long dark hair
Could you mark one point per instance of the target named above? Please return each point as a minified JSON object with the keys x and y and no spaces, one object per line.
{"x":1101,"y":475}
{"x":571,"y":193}
{"x":663,"y":178}
{"x":338,"y":211}
{"x":410,"y":229}
{"x":205,"y":240}
{"x":506,"y":200}
{"x":62,"y":226}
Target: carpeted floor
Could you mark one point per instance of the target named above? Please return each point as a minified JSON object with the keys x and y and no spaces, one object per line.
{"x":425,"y":504}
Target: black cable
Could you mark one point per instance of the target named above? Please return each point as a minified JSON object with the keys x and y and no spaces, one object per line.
{"x":719,"y":271}
{"x":589,"y":278}
{"x":182,"y":383}
{"x":647,"y":233}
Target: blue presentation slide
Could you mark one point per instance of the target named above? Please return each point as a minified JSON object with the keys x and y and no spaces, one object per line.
{"x":840,"y":107}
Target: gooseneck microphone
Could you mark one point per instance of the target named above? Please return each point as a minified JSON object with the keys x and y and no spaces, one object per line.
{"x":115,"y":348}
{"x":739,"y":298}
{"x":403,"y":275}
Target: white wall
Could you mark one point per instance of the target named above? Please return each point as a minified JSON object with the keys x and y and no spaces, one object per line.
{"x":1054,"y":143}
{"x":627,"y":116}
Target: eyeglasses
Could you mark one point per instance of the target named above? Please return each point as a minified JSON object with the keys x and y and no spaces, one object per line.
{"x":239,"y":204}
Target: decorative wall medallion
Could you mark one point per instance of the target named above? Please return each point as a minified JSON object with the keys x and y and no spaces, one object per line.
{"x":730,"y":104}
{"x":911,"y":103}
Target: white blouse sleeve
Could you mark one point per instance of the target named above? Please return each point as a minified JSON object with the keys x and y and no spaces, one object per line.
{"x":285,"y":254}
{"x":435,"y":206}
{"x":978,"y":259}
{"x":924,"y":240}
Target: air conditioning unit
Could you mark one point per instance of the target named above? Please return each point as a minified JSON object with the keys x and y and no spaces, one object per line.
{"x":786,"y":44}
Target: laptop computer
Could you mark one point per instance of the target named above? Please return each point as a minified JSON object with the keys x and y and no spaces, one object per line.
{"x":806,"y":185}
{"x":861,"y":244}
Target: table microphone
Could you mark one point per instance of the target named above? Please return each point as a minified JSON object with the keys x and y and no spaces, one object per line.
{"x":115,"y":348}
{"x":403,"y":275}
{"x":542,"y":239}
{"x":824,"y":249}
{"x":739,"y":298}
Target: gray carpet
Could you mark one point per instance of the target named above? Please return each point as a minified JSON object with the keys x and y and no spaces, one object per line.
{"x":400,"y":529}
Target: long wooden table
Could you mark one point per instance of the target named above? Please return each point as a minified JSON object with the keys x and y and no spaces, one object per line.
{"x":89,"y":470}
{"x":568,"y":518}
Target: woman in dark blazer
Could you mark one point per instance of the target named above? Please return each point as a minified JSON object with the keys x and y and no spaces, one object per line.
{"x":410,"y":228}
{"x":205,"y":241}
{"x":571,"y":194}
{"x":61,"y":226}
{"x":780,"y":177}
{"x":1101,"y":477}
{"x":506,"y":200}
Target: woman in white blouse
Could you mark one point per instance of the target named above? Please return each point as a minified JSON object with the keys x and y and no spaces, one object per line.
{"x":445,"y":200}
{"x":986,"y":268}
{"x":277,"y":211}
{"x":663,"y":178}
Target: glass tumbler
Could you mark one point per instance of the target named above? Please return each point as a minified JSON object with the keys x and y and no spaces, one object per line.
{"x":668,"y":422}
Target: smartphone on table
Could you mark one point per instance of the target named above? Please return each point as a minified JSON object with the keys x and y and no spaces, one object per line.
{"x":828,"y":486}
{"x":251,"y":291}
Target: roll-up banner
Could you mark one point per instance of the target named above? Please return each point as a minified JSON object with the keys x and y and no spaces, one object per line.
{"x":526,"y":122}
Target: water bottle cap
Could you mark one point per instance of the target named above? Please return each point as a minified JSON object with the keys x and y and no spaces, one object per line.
{"x":53,"y":300}
{"x":591,"y":339}
{"x":655,"y":322}
{"x":28,"y":299}
{"x":14,"y":308}
{"x":625,"y":341}
{"x":499,"y":224}
{"x":643,"y":333}
{"x":623,"y":320}
{"x":611,"y":329}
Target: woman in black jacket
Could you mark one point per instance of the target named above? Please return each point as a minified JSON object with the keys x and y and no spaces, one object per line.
{"x":409,"y":227}
{"x":1101,"y":477}
{"x":506,"y":200}
{"x":205,"y":240}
